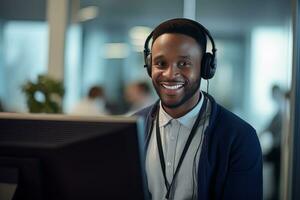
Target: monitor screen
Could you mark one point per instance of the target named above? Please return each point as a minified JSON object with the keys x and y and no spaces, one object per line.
{"x":57,"y":157}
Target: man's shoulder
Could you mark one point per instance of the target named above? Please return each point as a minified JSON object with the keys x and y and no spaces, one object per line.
{"x":231,"y":129}
{"x":145,"y":111}
{"x":228,"y":119}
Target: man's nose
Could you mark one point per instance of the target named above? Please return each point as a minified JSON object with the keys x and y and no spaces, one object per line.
{"x":171,"y":71}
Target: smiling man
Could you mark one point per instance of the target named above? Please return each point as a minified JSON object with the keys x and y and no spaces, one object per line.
{"x":175,"y":72}
{"x":195,"y":148}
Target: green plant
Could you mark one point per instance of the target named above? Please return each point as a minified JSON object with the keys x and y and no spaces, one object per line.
{"x":44,"y":96}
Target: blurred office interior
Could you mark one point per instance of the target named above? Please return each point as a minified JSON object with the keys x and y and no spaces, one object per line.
{"x":84,"y":43}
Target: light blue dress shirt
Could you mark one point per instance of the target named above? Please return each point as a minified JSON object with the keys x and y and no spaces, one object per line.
{"x":174,"y":134}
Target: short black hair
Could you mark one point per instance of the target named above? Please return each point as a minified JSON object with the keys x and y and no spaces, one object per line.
{"x":182,"y":26}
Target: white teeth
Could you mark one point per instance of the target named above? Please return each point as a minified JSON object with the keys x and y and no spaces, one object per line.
{"x":172,"y":87}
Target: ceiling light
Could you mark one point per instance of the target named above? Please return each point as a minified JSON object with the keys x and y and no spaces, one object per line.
{"x":138,"y":35}
{"x":88,"y":13}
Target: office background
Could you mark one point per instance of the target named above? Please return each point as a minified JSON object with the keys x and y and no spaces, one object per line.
{"x":100,"y":42}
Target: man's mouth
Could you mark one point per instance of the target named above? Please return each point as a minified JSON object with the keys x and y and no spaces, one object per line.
{"x":172,"y":86}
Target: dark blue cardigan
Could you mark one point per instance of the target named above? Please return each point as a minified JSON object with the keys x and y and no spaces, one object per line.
{"x":230,"y":164}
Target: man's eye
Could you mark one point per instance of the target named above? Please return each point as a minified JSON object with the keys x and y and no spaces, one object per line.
{"x":183,"y":64}
{"x":160,"y":63}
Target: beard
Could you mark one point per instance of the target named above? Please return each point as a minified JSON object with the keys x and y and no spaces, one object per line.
{"x":189,"y":92}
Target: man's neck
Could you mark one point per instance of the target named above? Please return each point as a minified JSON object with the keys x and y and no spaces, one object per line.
{"x":184,"y":108}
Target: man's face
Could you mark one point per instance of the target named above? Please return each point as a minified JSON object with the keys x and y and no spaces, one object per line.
{"x":176,"y":60}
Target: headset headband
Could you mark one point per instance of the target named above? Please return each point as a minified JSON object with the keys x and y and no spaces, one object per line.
{"x":202,"y":28}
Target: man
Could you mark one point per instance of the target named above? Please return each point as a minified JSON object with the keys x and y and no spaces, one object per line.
{"x":195,"y":148}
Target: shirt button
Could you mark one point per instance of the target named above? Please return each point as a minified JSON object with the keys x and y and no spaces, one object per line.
{"x":172,"y":138}
{"x":169,"y":164}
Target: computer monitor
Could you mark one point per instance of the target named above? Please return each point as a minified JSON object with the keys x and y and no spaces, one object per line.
{"x":57,"y":157}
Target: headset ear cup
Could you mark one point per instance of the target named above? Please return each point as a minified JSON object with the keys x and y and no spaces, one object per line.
{"x":147,"y":55}
{"x":149,"y":65}
{"x":208,"y":67}
{"x":147,"y":60}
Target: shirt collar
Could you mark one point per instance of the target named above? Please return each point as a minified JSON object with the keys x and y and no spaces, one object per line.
{"x":187,"y":120}
{"x":164,"y":118}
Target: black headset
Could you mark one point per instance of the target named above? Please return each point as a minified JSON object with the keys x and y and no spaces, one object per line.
{"x":208,"y":63}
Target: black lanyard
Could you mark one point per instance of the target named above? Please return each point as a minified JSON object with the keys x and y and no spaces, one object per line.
{"x":187,"y":144}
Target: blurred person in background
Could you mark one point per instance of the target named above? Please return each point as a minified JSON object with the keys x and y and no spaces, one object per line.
{"x":195,"y":148}
{"x":138,"y":95}
{"x":274,"y":128}
{"x":1,"y":107}
{"x":93,"y":104}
